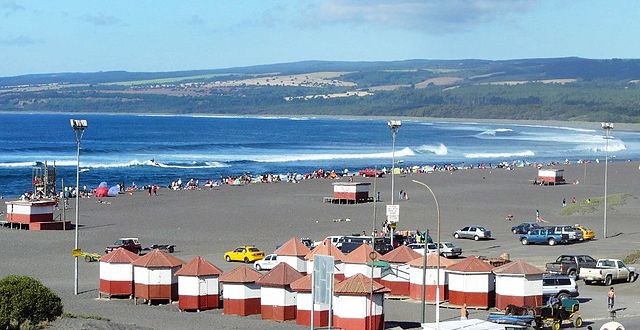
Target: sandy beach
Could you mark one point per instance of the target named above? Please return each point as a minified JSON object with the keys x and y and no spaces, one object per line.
{"x":210,"y":222}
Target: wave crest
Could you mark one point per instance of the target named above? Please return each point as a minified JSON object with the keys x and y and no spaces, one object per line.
{"x":526,"y":153}
{"x":405,"y":152}
{"x":439,"y":150}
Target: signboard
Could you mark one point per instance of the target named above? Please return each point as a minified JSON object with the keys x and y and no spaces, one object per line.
{"x":322,"y":279}
{"x":76,"y":252}
{"x":393,"y":213}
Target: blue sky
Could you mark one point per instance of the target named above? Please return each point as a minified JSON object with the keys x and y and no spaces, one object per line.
{"x":41,"y":36}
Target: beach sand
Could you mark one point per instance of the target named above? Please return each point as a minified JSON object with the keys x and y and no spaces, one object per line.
{"x":210,"y":222}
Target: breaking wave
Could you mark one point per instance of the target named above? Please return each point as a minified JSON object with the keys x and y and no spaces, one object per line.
{"x":527,"y":153}
{"x":439,"y":150}
{"x":406,"y":152}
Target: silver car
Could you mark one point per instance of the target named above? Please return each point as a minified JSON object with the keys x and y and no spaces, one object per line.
{"x":474,"y":232}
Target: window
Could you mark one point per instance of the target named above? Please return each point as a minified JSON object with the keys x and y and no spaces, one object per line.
{"x":465,"y":229}
{"x":253,"y":249}
{"x":564,"y":281}
{"x":548,"y":282}
{"x":239,"y":250}
{"x":620,"y":264}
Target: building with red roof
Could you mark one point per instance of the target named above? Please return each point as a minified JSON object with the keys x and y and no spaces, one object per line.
{"x":354,"y":307}
{"x":198,"y":286}
{"x":302,"y":287}
{"x":116,"y":273}
{"x":431,"y":280}
{"x":277,"y":299}
{"x":241,"y":293}
{"x":396,"y":278}
{"x":359,"y":262}
{"x":154,"y":276}
{"x":327,"y":249}
{"x":471,"y":282}
{"x":293,"y":252}
{"x":518,"y":283}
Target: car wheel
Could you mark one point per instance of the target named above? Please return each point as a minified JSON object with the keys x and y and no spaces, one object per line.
{"x":246,"y":260}
{"x":556,"y":325}
{"x":587,"y":282}
{"x":88,"y":259}
{"x":227,"y":258}
{"x":608,"y":280}
{"x":258,"y":267}
{"x":525,"y":241}
{"x":171,"y":249}
{"x":631,"y":277}
{"x":476,"y":238}
{"x":572,"y":274}
{"x":578,"y":322}
{"x":562,"y":296}
{"x":456,"y":235}
{"x":515,"y":231}
{"x":552,"y":241}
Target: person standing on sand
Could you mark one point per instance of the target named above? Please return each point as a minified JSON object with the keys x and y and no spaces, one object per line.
{"x":564,"y":202}
{"x":464,"y":313}
{"x":611,"y":297}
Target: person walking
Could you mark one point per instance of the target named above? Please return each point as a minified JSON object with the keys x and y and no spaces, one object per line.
{"x":564,"y":202}
{"x":611,"y":297}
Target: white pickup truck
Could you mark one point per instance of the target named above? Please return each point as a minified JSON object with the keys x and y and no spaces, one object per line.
{"x":607,"y":271}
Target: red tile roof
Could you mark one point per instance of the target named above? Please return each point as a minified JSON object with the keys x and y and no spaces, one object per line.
{"x":119,"y":256}
{"x":326,"y":249}
{"x":292,"y":247}
{"x":400,"y":255}
{"x":280,"y":276}
{"x":198,"y":266}
{"x":432,"y":261}
{"x":242,"y":274}
{"x":471,"y":265}
{"x":361,"y":255}
{"x":518,"y":267}
{"x":302,"y":284}
{"x":357,"y":285}
{"x":157,"y":258}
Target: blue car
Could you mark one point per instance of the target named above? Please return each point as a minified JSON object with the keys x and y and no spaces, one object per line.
{"x":543,"y":236}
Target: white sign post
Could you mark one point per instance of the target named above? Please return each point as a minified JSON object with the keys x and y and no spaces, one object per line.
{"x":322,"y":285}
{"x":393,"y":213}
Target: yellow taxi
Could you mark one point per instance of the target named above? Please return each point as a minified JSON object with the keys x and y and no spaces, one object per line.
{"x":587,"y":233}
{"x":245,"y":253}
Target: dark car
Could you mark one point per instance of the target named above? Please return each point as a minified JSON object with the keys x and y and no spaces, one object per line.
{"x":524,"y":227}
{"x":130,"y":244}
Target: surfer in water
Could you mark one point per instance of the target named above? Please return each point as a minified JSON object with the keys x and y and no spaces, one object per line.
{"x":153,"y":162}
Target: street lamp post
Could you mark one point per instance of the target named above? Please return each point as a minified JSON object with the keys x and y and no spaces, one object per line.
{"x":607,"y":128}
{"x":394,"y":125}
{"x":424,"y":260}
{"x":78,"y":125}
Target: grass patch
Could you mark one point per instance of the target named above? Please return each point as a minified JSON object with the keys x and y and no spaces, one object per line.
{"x":592,"y":205}
{"x":83,"y":316}
{"x":632,"y":257}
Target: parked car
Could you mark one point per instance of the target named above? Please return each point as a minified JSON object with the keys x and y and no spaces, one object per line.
{"x":474,"y":232}
{"x":559,"y":286}
{"x":267,"y":263}
{"x":571,"y":232}
{"x":307,"y":242}
{"x":370,"y":172}
{"x":333,"y":239}
{"x":524,"y":227}
{"x":568,"y":264}
{"x":382,"y":245}
{"x":419,"y":247}
{"x":449,"y":250}
{"x":587,"y":233}
{"x":607,"y":271}
{"x":245,"y":253}
{"x":128,"y":243}
{"x":543,"y":236}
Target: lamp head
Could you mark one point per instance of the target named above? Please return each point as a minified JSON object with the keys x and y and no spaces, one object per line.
{"x":394,"y":124}
{"x":607,"y":126}
{"x":78,"y":124}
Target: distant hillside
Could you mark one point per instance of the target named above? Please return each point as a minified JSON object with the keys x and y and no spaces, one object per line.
{"x":556,"y":88}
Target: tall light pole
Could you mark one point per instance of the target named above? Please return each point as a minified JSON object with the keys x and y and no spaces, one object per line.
{"x":394,"y":125}
{"x":607,"y":129}
{"x":78,"y":125}
{"x":424,"y":260}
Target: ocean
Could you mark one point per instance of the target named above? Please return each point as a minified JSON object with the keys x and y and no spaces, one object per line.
{"x":158,"y":149}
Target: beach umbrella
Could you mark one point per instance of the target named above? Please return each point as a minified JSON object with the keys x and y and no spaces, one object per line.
{"x":113,"y":191}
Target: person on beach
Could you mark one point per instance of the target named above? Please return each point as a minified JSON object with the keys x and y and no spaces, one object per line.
{"x":464,"y":313}
{"x":564,"y":202}
{"x":611,"y":297}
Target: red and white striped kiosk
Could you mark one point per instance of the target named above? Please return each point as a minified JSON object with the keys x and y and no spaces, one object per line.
{"x":116,"y":273}
{"x":327,"y":249}
{"x":240,"y":292}
{"x":353,"y":308}
{"x":518,"y":283}
{"x":397,"y":277}
{"x":359,"y":262}
{"x":292,"y":252}
{"x":550,"y":176}
{"x":431,"y":277}
{"x":277,"y":299}
{"x":351,"y":192}
{"x":302,"y":287}
{"x":198,"y":286}
{"x":154,"y":277}
{"x":36,"y":215}
{"x":471,"y":282}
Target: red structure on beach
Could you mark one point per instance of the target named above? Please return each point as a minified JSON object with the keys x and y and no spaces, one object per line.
{"x":198,"y":286}
{"x":302,"y":287}
{"x":397,"y":277}
{"x":292,"y":252}
{"x":116,"y":273}
{"x":359,"y":261}
{"x":241,"y":293}
{"x":350,"y":193}
{"x":37,"y":215}
{"x":471,"y":282}
{"x":327,"y":249}
{"x":154,"y":276}
{"x":430,"y":279}
{"x":277,"y":299}
{"x":550,"y":176}
{"x":353,"y":308}
{"x":518,"y":283}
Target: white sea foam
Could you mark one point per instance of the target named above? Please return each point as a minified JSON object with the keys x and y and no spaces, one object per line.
{"x":493,"y":132}
{"x":406,"y":152}
{"x":526,"y":153}
{"x":615,"y":145}
{"x":17,"y":164}
{"x":439,"y":150}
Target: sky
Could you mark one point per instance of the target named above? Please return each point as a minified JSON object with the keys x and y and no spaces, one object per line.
{"x":41,"y":36}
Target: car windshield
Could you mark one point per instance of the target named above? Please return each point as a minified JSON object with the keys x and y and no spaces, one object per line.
{"x":449,"y":245}
{"x":253,"y":250}
{"x":481,"y":229}
{"x":119,"y":242}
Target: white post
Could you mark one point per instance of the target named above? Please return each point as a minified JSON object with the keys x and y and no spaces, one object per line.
{"x":607,"y":128}
{"x":394,"y":125}
{"x":78,"y":127}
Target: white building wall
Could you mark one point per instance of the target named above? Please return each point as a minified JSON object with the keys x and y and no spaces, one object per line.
{"x":397,"y":273}
{"x":213,"y":285}
{"x":271,"y":296}
{"x":116,"y":272}
{"x":141,"y":275}
{"x":510,"y":285}
{"x":415,"y":276}
{"x":240,"y":290}
{"x":344,"y":189}
{"x":298,"y":263}
{"x":533,"y":285}
{"x":357,"y":306}
{"x":188,"y":286}
{"x":471,"y":282}
{"x":353,"y":269}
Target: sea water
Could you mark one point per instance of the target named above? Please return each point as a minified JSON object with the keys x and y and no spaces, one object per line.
{"x":158,"y":149}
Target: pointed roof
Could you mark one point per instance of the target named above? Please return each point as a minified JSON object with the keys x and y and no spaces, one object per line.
{"x":119,"y":256}
{"x":198,"y":266}
{"x":432,"y":261}
{"x":280,"y":276}
{"x":302,"y":284}
{"x":326,"y":249}
{"x":361,"y":255}
{"x":518,"y":267}
{"x":293,"y":247}
{"x":471,"y":264}
{"x":242,"y":274}
{"x":157,"y":258}
{"x":357,"y":285}
{"x":400,"y":255}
